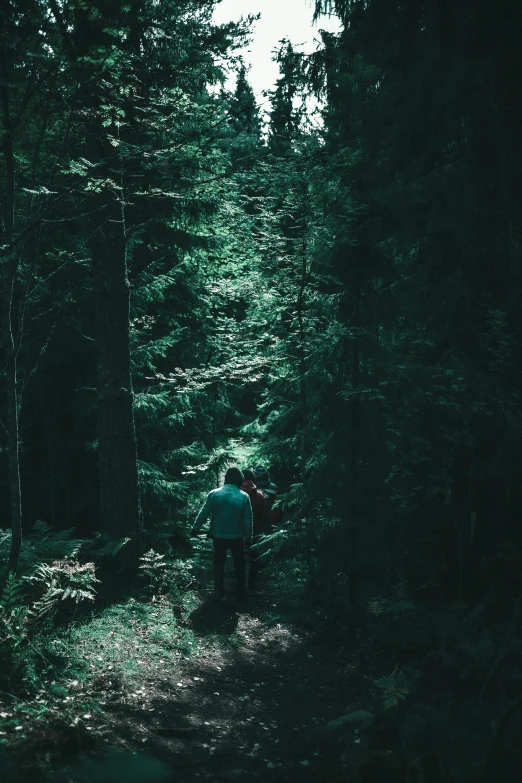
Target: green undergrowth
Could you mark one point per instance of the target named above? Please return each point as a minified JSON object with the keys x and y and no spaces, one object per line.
{"x":120,"y":637}
{"x":431,"y":675}
{"x":60,"y":674}
{"x":96,"y":660}
{"x":68,"y":676}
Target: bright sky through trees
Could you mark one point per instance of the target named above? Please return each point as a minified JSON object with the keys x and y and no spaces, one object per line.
{"x":279,"y":19}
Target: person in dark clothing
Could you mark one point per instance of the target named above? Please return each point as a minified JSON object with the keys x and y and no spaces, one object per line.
{"x":261,"y":520}
{"x":230,"y":513}
{"x":275,"y":512}
{"x":261,"y":477}
{"x":260,"y":516}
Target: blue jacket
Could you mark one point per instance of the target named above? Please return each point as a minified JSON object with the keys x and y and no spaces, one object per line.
{"x":230,"y":513}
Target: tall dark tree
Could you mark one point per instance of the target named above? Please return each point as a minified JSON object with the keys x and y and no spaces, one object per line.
{"x":95,"y":44}
{"x":244,"y":111}
{"x":284,"y":114}
{"x":24,"y":204}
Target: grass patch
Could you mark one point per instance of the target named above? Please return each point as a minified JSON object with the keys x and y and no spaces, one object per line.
{"x":126,"y":637}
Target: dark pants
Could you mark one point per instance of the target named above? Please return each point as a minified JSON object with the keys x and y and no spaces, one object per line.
{"x":237,"y":547}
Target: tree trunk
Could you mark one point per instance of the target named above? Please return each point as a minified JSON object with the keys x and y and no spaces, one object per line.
{"x":117,"y":453}
{"x":48,"y":414}
{"x":8,"y":339}
{"x":354,"y":448}
{"x":8,"y":327}
{"x":303,"y":397}
{"x":120,"y":512}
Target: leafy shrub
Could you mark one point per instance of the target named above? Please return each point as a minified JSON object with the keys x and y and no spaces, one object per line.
{"x":29,"y":606}
{"x":56,"y":582}
{"x":173,"y":578}
{"x":41,"y":545}
{"x":101,"y":547}
{"x":13,"y":613}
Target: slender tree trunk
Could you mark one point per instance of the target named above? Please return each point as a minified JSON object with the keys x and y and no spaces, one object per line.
{"x":9,"y":266}
{"x":354,"y":450}
{"x":304,"y":408}
{"x":303,"y":397}
{"x":214,"y":434}
{"x":12,"y":412}
{"x":48,"y":414}
{"x":302,"y":351}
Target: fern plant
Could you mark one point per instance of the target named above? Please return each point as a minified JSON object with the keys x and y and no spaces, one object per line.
{"x":58,"y":581}
{"x":271,"y":544}
{"x":102,"y":547}
{"x":154,"y":567}
{"x":396,"y":686}
{"x":29,"y":605}
{"x":42,"y":544}
{"x":397,"y":603}
{"x":13,"y":611}
{"x":12,"y":596}
{"x":13,"y":626}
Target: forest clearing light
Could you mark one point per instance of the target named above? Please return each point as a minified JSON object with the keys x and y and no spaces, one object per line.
{"x":292,"y":19}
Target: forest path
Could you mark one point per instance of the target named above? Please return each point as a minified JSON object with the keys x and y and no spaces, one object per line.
{"x":180,"y":688}
{"x":249,"y":711}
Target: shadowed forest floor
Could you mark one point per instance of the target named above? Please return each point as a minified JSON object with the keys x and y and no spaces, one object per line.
{"x":194,"y":692}
{"x":250,"y":711}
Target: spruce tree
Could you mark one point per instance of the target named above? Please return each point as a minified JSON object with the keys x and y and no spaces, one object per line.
{"x":284,"y":115}
{"x":244,"y":112}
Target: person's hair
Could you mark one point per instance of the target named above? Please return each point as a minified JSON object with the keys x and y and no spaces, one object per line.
{"x":249,"y":475}
{"x":234,"y":476}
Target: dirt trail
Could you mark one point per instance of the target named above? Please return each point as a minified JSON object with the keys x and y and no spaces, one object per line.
{"x":249,"y":704}
{"x":250,"y":712}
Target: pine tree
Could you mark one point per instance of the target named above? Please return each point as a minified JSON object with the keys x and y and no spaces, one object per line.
{"x":24,"y":204}
{"x":244,"y":112}
{"x":402,"y":116}
{"x":94,"y":43}
{"x":284,"y":115}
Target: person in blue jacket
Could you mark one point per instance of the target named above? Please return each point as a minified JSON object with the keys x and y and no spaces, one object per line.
{"x":230,"y":515}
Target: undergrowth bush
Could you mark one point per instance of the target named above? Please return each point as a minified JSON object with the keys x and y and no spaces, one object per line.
{"x":395,"y":687}
{"x":29,"y":609}
{"x":50,"y":584}
{"x":449,"y":669}
{"x":153,"y":567}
